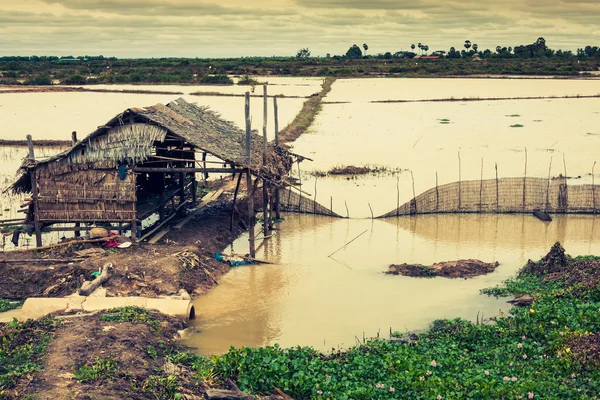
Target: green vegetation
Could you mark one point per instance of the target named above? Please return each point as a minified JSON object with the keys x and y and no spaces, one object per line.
{"x":536,"y":58}
{"x":516,"y":126}
{"x":513,"y":115}
{"x":101,"y":369}
{"x":306,"y":116}
{"x":444,"y":121}
{"x":22,"y":347}
{"x":7,"y":305}
{"x":131,"y":314}
{"x":221,"y":79}
{"x":545,"y":350}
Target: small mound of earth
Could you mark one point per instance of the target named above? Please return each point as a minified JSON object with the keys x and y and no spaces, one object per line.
{"x":447,"y":269}
{"x":349,"y":170}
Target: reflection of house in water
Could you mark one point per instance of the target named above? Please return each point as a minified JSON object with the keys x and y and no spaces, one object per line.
{"x":141,"y":163}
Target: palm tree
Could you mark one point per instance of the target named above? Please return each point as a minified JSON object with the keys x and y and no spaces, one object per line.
{"x":426,"y":49}
{"x":366,"y":48}
{"x":475,"y":47}
{"x":412,"y":46}
{"x":467,"y":44}
{"x":498,"y":49}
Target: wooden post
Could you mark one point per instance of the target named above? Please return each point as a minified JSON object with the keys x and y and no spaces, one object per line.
{"x":277,"y":194}
{"x":481,"y":186}
{"x":77,"y":224}
{"x":397,"y":195}
{"x":459,"y":179}
{"x":566,"y":184}
{"x":525,"y":180}
{"x":251,"y":219}
{"x":74,"y":137}
{"x":593,"y":189}
{"x":414,"y":193}
{"x":331,"y":204}
{"x":300,"y":186}
{"x":34,"y":192}
{"x":235,"y":194}
{"x":437,"y":193}
{"x":204,"y":166}
{"x":497,"y":190}
{"x":347,"y":212}
{"x":548,"y":187}
{"x":266,"y":215}
{"x":315,"y":199}
{"x":276,"y":113}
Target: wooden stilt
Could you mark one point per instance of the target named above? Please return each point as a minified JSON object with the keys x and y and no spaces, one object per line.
{"x":548,"y":187}
{"x":235,"y":194}
{"x":251,"y":217}
{"x":266,"y":216}
{"x":34,"y":191}
{"x":525,"y":180}
{"x":593,"y":189}
{"x":204,"y":166}
{"x":497,"y":190}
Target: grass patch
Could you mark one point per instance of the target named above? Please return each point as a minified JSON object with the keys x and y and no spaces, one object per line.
{"x":516,"y":126}
{"x":22,"y":347}
{"x":99,"y":370}
{"x":131,"y":314}
{"x":513,"y":115}
{"x":444,"y":121}
{"x":7,"y":305}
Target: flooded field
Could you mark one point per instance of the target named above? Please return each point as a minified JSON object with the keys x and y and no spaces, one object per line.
{"x":307,"y":298}
{"x":426,"y":138}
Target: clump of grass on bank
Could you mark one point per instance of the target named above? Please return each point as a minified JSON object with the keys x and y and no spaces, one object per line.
{"x":345,"y":170}
{"x":513,"y":115}
{"x":545,"y":350}
{"x":306,"y":116}
{"x":7,"y":305}
{"x":22,"y":347}
{"x":130,"y":314}
{"x":516,"y":126}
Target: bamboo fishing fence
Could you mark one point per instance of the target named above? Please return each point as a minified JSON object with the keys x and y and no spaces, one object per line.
{"x":291,"y":201}
{"x":505,"y":195}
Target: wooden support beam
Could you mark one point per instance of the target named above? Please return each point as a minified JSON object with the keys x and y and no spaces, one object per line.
{"x":266,"y":215}
{"x":188,"y":170}
{"x":251,"y":218}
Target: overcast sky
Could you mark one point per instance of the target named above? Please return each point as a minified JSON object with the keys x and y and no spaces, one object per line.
{"x":235,"y":28}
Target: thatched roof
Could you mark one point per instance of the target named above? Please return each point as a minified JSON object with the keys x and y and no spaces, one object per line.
{"x":132,"y":133}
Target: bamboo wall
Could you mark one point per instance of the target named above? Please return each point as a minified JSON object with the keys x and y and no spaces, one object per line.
{"x":506,"y":195}
{"x":86,"y":196}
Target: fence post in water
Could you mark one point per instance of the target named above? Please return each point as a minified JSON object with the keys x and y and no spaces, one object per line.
{"x":315,"y":199}
{"x":397,"y":195}
{"x":548,"y":187}
{"x":414,"y":201}
{"x":525,"y":179}
{"x":566,"y":185}
{"x":300,"y":186}
{"x":331,"y":204}
{"x":437,"y":193}
{"x":372,"y":217}
{"x":497,"y":191}
{"x":459,"y":181}
{"x":481,"y":186}
{"x":347,"y":212}
{"x":251,"y":219}
{"x":593,"y":189}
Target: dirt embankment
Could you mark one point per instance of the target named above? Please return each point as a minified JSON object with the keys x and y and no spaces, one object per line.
{"x":141,"y":270}
{"x":447,"y":269}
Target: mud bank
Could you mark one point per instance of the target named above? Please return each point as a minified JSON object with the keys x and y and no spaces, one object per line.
{"x":447,"y":269}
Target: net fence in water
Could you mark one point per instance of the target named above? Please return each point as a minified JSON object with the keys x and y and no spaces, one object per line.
{"x":506,"y":195}
{"x":293,"y":202}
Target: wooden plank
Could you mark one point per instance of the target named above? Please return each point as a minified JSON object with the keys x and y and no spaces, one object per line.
{"x":159,"y":235}
{"x":205,"y":201}
{"x":215,"y":170}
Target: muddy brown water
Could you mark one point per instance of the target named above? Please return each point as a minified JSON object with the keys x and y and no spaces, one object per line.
{"x":308,"y":298}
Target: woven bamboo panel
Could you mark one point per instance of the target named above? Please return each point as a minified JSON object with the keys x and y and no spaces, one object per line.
{"x":506,"y":195}
{"x":293,"y":202}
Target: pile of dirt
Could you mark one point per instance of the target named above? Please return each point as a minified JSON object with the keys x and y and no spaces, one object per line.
{"x":349,"y":170}
{"x":555,"y":261}
{"x":140,"y":270}
{"x":447,"y":269}
{"x":586,"y":349}
{"x":93,"y":358}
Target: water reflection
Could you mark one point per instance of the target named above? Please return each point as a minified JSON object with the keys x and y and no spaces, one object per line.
{"x":307,"y":298}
